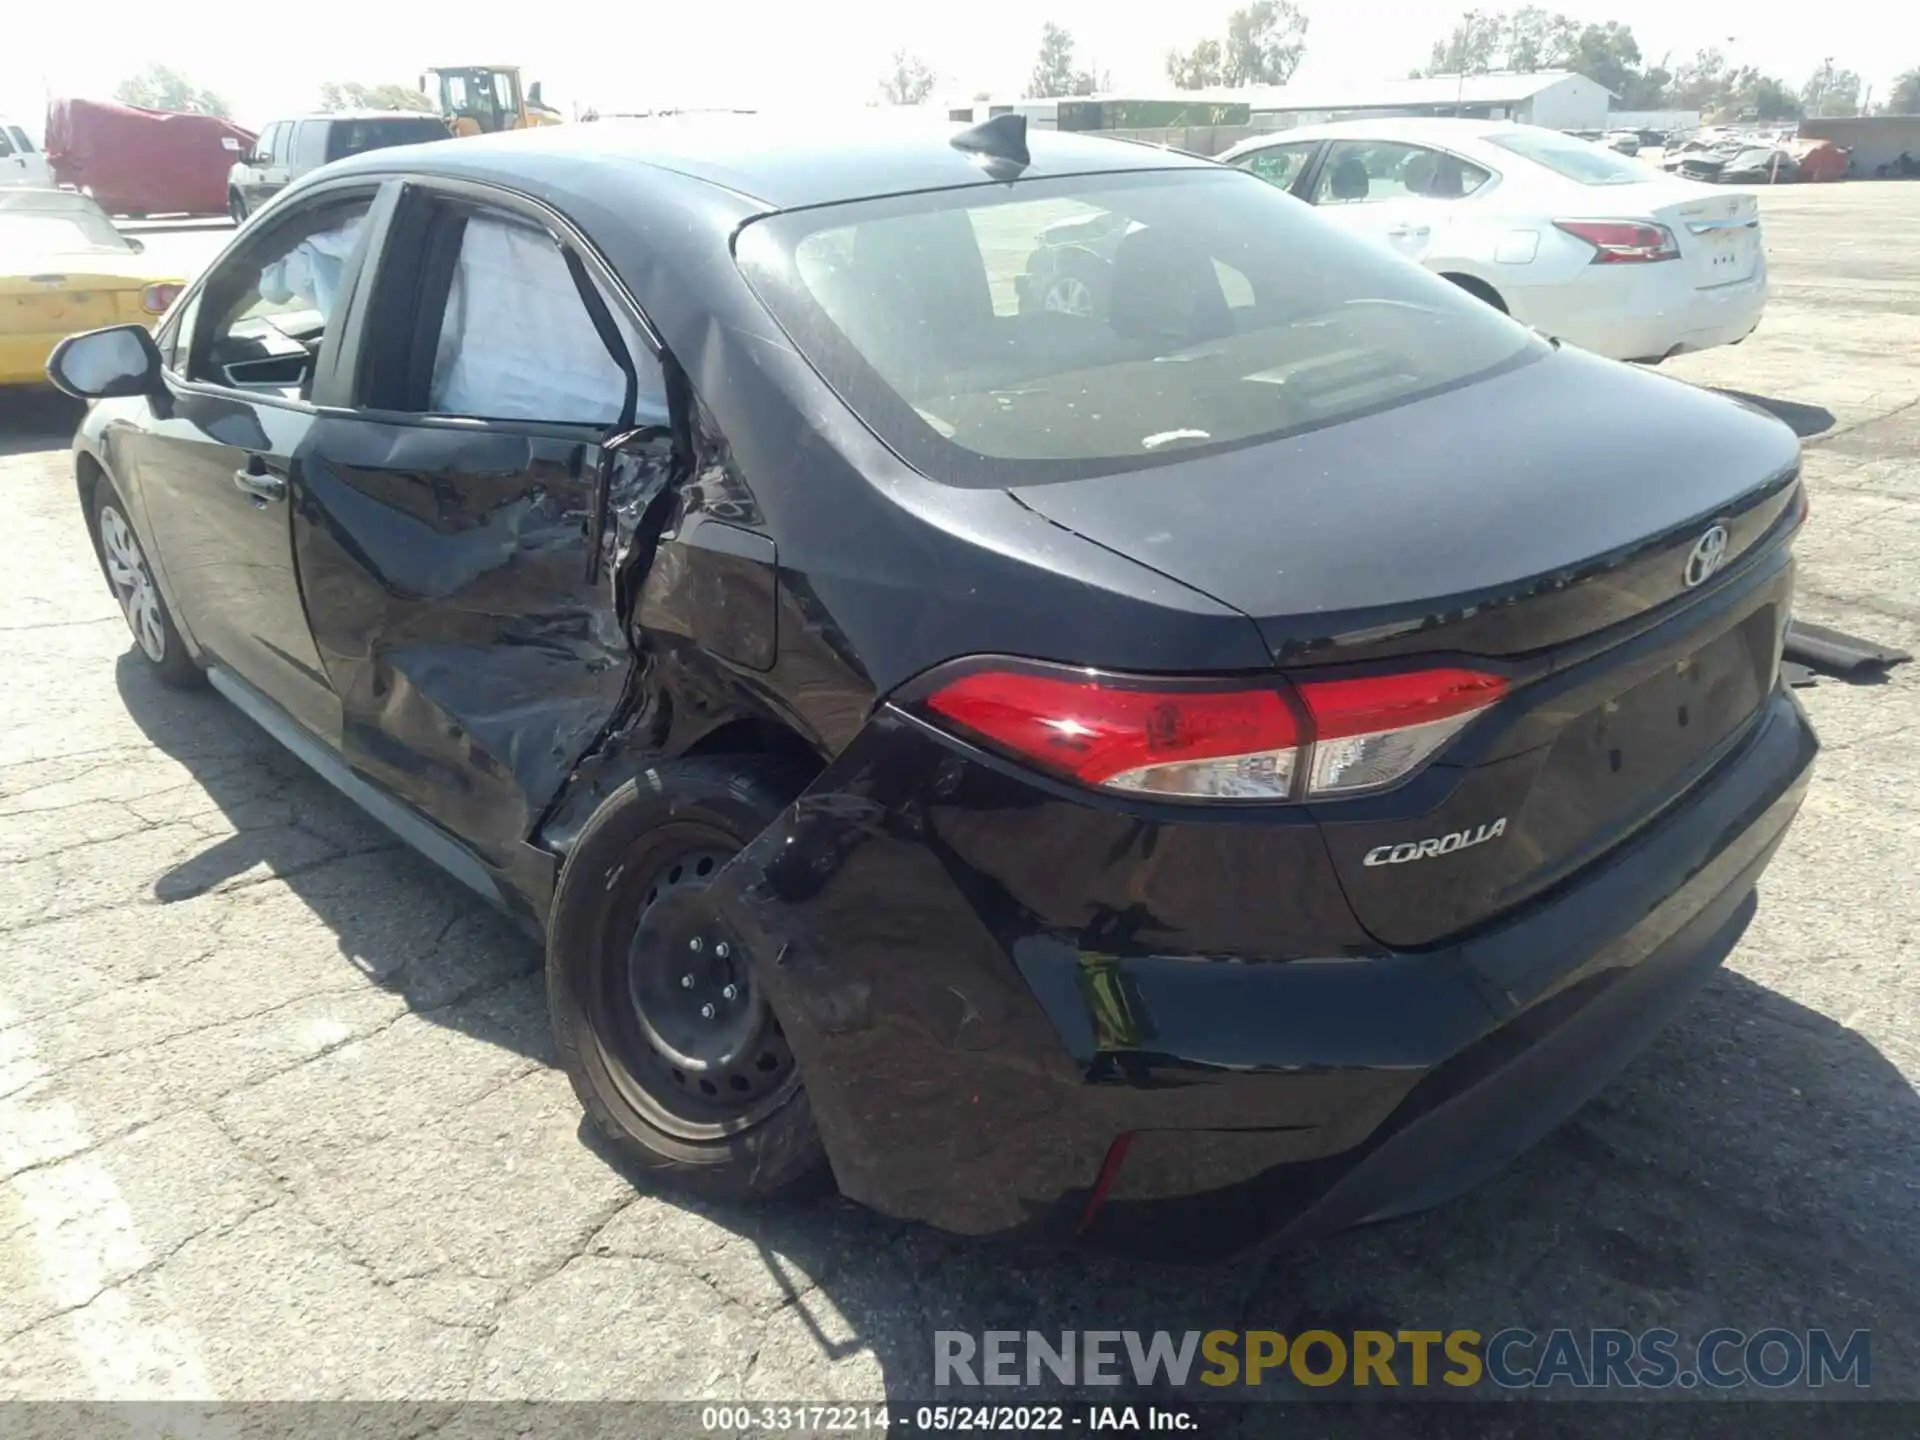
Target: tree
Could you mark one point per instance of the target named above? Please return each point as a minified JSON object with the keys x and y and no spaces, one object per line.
{"x":1054,"y":74}
{"x":1770,"y":99}
{"x":1905,"y":99}
{"x":1471,"y":48}
{"x":1831,"y":92}
{"x":1537,"y":40}
{"x":349,"y":95}
{"x":1264,"y":43}
{"x":1697,"y":83}
{"x":161,"y":87}
{"x":909,"y":82}
{"x":1196,"y":69}
{"x":1607,"y":54}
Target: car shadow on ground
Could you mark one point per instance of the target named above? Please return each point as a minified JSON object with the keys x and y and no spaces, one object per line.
{"x":40,"y":418}
{"x":396,"y":919}
{"x":1754,"y":1167}
{"x":1806,"y":420}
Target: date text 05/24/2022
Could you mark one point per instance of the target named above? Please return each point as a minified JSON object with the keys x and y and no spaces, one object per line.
{"x":940,"y":1419}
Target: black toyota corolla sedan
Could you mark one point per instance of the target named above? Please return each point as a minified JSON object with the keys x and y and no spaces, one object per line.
{"x":1239,"y":749}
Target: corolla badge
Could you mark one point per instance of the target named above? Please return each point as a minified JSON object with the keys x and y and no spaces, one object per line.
{"x":1437,"y":845}
{"x":1709,"y":553}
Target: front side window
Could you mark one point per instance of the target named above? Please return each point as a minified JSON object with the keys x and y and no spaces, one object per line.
{"x":267,"y":306}
{"x":1278,"y":164}
{"x":1361,"y":171}
{"x":20,"y":140}
{"x":1575,"y":160}
{"x":1057,"y":328}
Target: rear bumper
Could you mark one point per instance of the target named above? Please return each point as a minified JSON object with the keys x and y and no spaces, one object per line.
{"x":1646,"y":312}
{"x":23,"y":358}
{"x":989,"y":984}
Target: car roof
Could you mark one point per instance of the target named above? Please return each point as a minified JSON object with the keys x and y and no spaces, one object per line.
{"x":355,"y":115}
{"x":782,"y":162}
{"x":1415,"y":129}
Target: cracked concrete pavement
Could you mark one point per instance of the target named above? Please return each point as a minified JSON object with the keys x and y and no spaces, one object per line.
{"x":279,"y":1119}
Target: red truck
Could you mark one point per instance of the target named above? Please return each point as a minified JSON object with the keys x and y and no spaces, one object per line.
{"x":143,"y":162}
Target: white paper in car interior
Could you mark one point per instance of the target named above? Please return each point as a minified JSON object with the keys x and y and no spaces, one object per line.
{"x":517,"y":342}
{"x":311,"y":270}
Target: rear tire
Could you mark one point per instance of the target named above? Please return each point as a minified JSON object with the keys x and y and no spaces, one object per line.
{"x":1480,"y":290}
{"x":130,"y":577}
{"x":677,"y":1059}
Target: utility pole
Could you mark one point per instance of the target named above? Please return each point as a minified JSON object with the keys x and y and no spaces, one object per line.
{"x":1460,"y":63}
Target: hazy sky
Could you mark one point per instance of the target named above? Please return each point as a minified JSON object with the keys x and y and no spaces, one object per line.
{"x":270,"y":60}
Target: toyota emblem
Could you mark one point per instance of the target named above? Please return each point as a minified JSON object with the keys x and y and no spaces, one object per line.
{"x":1709,"y":553}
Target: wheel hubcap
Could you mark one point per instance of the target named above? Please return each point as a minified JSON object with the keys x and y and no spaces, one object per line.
{"x":1069,"y":296}
{"x":705,"y":1034}
{"x":132,"y":584}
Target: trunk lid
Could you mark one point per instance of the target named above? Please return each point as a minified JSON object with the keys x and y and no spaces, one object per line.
{"x":45,"y":294}
{"x":1545,"y":523}
{"x":1514,"y":513}
{"x":1718,"y":230}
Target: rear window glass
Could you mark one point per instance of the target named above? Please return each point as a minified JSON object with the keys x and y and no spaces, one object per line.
{"x":54,"y":222}
{"x":352,"y":137}
{"x":1575,"y":159}
{"x":1059,"y":328}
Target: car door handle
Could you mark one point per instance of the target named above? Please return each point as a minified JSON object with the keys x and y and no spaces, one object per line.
{"x":261,"y":483}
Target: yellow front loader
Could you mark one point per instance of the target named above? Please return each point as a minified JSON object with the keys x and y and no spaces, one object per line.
{"x":485,"y":99}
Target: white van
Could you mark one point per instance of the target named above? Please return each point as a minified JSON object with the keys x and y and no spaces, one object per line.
{"x":21,"y":162}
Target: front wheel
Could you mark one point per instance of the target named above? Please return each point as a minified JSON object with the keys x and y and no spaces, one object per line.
{"x":657,"y":1012}
{"x":130,"y":578}
{"x":237,"y":207}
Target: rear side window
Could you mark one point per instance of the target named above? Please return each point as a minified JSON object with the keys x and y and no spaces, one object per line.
{"x":6,"y":144}
{"x":476,"y":314}
{"x":309,"y":149}
{"x":1052,"y":329}
{"x":517,"y":341}
{"x":1577,"y":160}
{"x":354,"y":137}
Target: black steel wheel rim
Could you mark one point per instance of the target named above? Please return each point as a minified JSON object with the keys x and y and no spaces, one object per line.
{"x":698,"y":1051}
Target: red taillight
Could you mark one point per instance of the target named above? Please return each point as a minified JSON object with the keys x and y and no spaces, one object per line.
{"x":1373,"y":731}
{"x":1623,"y":242}
{"x":1803,"y":507}
{"x":1130,"y":738}
{"x":1195,"y":742}
{"x":156,"y":298}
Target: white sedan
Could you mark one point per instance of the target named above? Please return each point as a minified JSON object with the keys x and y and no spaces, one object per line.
{"x":1586,"y":245}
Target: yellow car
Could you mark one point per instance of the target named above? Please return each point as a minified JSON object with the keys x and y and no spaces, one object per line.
{"x":63,"y":269}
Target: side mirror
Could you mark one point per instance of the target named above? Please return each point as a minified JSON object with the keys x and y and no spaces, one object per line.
{"x":105,"y":364}
{"x":533,"y":94}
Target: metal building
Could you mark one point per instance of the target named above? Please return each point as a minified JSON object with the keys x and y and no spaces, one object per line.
{"x":1557,"y":99}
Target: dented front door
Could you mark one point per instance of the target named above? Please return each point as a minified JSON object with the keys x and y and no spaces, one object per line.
{"x":447,"y":578}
